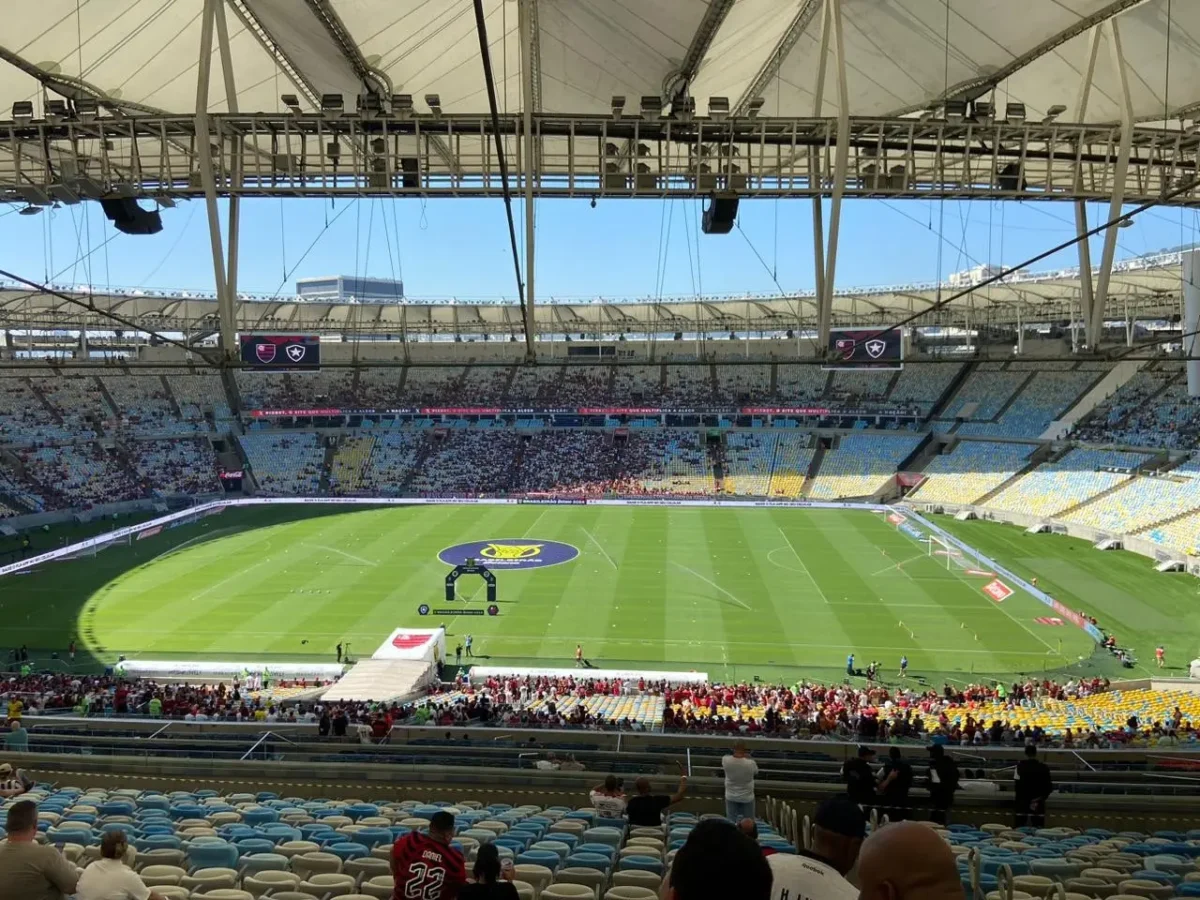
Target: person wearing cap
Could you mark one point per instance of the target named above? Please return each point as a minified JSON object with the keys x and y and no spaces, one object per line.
{"x":860,"y":777}
{"x":29,"y":870}
{"x":108,"y":878}
{"x":820,"y":873}
{"x":10,"y":784}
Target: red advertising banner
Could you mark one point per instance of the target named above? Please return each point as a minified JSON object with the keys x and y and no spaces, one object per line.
{"x":271,"y":413}
{"x":460,"y":411}
{"x":998,"y":590}
{"x":620,"y":411}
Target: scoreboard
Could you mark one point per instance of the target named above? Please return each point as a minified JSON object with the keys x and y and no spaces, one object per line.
{"x":865,"y":348}
{"x":281,"y":351}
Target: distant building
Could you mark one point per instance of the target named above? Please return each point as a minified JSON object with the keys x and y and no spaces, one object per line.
{"x":976,"y":274}
{"x":349,"y":289}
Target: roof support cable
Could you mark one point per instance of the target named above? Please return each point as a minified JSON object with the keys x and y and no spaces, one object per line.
{"x":1165,"y":197}
{"x":486,"y":58}
{"x":90,"y":305}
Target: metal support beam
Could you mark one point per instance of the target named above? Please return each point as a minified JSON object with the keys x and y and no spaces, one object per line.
{"x":286,"y":65}
{"x":526,"y":13}
{"x":234,"y":202}
{"x":840,"y":167}
{"x":372,"y":80}
{"x":208,"y":176}
{"x":980,"y":85}
{"x":1095,"y":325}
{"x":783,"y":47}
{"x":814,"y":167}
{"x":1081,"y":223}
{"x":677,"y":83}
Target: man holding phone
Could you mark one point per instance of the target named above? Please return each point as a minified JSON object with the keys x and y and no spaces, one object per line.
{"x":646,"y":808}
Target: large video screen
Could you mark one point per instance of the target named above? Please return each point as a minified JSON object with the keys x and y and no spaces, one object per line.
{"x":866,"y":348}
{"x":281,"y":351}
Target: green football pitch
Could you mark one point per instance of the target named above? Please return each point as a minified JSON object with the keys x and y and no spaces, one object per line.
{"x":735,"y":592}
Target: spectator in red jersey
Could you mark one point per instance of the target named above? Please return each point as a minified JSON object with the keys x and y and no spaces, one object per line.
{"x":426,"y":866}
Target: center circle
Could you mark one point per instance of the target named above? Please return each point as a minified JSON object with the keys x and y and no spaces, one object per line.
{"x":510,"y":553}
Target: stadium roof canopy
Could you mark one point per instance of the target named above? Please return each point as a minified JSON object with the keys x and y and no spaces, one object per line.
{"x":902,"y":56}
{"x":998,"y":99}
{"x":1145,"y":287}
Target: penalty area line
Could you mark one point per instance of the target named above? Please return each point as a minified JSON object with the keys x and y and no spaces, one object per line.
{"x":803,"y":564}
{"x":714,"y":584}
{"x":359,"y":559}
{"x":598,"y":546}
{"x":898,"y":565}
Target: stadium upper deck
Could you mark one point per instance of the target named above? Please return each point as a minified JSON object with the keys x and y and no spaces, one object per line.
{"x":977,"y":433}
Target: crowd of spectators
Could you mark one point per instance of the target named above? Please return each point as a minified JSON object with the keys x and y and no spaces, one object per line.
{"x":176,"y":467}
{"x":575,"y":462}
{"x":969,"y":716}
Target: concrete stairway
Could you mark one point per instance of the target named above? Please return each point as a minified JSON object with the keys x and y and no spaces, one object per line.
{"x":1101,"y":391}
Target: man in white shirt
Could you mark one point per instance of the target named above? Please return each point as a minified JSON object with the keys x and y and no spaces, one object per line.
{"x":820,"y":873}
{"x":108,"y":878}
{"x":740,"y":770}
{"x":608,"y":799}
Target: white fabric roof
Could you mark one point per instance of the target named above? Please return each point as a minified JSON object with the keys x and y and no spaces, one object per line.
{"x":1147,"y":286}
{"x":145,"y":52}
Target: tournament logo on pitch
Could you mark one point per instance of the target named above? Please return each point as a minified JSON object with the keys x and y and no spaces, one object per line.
{"x":510,"y":553}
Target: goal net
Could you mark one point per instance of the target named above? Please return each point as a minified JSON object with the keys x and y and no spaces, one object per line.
{"x":945,"y":553}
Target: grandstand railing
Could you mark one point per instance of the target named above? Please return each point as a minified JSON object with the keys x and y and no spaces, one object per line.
{"x":421,"y":760}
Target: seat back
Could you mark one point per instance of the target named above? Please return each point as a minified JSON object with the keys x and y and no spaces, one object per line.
{"x":568,"y":892}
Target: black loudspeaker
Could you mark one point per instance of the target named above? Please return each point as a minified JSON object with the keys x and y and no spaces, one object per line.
{"x":130,"y":218}
{"x":720,"y":213}
{"x":409,"y":167}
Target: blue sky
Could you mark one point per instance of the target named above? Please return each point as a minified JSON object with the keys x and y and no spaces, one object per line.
{"x":621,"y":248}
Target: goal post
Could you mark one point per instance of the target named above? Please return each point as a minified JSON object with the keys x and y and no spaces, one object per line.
{"x":939,"y":550}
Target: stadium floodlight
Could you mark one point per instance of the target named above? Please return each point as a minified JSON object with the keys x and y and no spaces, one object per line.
{"x":1015,"y":113}
{"x":56,"y":110}
{"x":1053,"y":113}
{"x":611,"y":149}
{"x":756,"y":106}
{"x":652,"y":106}
{"x":956,"y":110}
{"x":718,"y":107}
{"x":292,"y":102}
{"x":402,"y":105}
{"x":434,"y":102}
{"x":332,"y":105}
{"x":369,"y":104}
{"x":87,"y":108}
{"x":984,"y":112}
{"x":22,"y":110}
{"x":618,"y":106}
{"x":684,"y":108}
